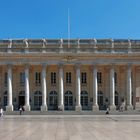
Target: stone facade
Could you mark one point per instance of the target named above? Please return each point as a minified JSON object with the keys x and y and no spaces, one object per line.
{"x":88,"y":74}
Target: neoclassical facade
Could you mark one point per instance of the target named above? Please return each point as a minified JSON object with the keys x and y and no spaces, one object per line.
{"x":76,"y":74}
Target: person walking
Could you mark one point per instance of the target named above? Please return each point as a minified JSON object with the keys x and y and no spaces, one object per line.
{"x":107,"y":110}
{"x":23,"y":109}
{"x":20,"y":110}
{"x":1,"y":112}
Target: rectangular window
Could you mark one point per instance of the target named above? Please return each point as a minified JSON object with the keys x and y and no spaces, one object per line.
{"x":68,"y":77}
{"x":22,"y":78}
{"x":53,"y":77}
{"x":115,"y":77}
{"x":5,"y":79}
{"x":37,"y":78}
{"x":84,"y":77}
{"x":99,"y":77}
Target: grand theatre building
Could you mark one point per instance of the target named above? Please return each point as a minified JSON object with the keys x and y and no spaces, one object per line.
{"x":76,"y":74}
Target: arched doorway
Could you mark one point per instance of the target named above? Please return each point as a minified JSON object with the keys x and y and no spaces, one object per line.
{"x":68,"y":100}
{"x":117,"y":100}
{"x":5,"y":99}
{"x":53,"y":100}
{"x":133,"y":99}
{"x":21,"y":98}
{"x":37,"y":100}
{"x":84,"y":100}
{"x":100,"y":100}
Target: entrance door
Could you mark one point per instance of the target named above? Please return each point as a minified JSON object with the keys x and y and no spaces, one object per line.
{"x":117,"y":100}
{"x":84,"y":100}
{"x":21,"y":98}
{"x":68,"y":100}
{"x":100,"y":100}
{"x":21,"y":101}
{"x":53,"y":100}
{"x":37,"y":100}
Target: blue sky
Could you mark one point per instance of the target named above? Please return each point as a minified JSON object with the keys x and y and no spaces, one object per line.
{"x":88,"y":19}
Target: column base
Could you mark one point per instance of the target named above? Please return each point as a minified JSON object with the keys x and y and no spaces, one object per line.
{"x":78,"y":108}
{"x":61,"y":50}
{"x":61,"y":107}
{"x":129,"y":107}
{"x":44,"y":108}
{"x":112,"y":108}
{"x":9,"y":108}
{"x":95,"y":108}
{"x":137,"y":107}
{"x":27,"y":107}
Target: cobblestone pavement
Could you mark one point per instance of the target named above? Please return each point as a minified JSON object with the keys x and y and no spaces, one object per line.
{"x":70,"y":127}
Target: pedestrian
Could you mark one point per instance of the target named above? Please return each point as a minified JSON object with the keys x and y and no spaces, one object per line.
{"x":121,"y":108}
{"x":23,"y":108}
{"x":20,"y":110}
{"x":1,"y":112}
{"x":107,"y":110}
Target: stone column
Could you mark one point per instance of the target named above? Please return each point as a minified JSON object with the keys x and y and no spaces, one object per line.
{"x":78,"y":88}
{"x":27,"y":89}
{"x":129,"y":89}
{"x":9,"y":106}
{"x":44,"y":89}
{"x":61,"y":88}
{"x":112,"y":89}
{"x":95,"y":106}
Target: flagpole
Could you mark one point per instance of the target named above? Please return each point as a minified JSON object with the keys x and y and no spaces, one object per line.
{"x":68,"y":29}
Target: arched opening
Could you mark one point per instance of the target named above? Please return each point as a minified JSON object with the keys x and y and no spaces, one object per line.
{"x":68,"y":100}
{"x":84,"y":99}
{"x":37,"y":100}
{"x":100,"y":100}
{"x":53,"y":100}
{"x":21,"y":99}
{"x":133,"y":98}
{"x":117,"y":99}
{"x":5,"y":99}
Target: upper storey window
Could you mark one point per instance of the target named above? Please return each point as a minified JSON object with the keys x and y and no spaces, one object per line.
{"x":53,"y":77}
{"x":99,"y":77}
{"x":83,"y":77}
{"x":5,"y":78}
{"x":115,"y":77}
{"x":68,"y":77}
{"x":37,"y":78}
{"x":22,"y":78}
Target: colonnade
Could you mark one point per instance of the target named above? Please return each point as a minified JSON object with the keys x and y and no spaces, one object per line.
{"x":95,"y":107}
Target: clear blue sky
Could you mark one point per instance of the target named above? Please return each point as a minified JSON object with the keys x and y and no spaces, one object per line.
{"x":88,"y":18}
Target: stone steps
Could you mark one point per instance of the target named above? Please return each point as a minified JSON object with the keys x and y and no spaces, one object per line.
{"x":133,"y":112}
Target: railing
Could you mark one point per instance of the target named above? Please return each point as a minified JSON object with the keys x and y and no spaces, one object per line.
{"x":92,"y":46}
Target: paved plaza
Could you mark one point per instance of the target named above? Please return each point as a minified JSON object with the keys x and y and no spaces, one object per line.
{"x":70,"y":127}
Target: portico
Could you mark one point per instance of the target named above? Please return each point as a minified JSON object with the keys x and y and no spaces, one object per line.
{"x":76,"y":87}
